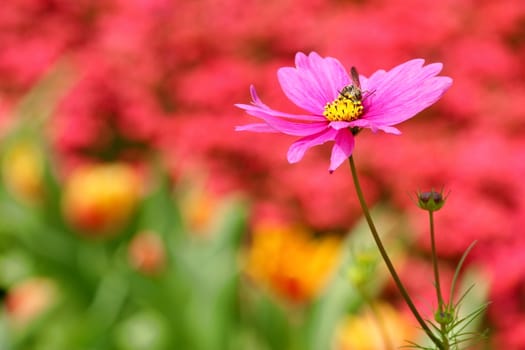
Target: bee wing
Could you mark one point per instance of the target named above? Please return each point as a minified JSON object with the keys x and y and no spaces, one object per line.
{"x":355,"y":77}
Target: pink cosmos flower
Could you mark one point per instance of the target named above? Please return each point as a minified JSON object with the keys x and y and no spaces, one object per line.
{"x":338,"y":107}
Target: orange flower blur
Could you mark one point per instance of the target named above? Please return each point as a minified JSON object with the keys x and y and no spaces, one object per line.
{"x":199,"y":207}
{"x":100,"y":199}
{"x":146,"y":252}
{"x":290,"y":262}
{"x":28,"y":299}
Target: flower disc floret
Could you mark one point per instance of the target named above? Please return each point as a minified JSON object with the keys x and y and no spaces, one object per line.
{"x":315,"y":85}
{"x":343,"y":109}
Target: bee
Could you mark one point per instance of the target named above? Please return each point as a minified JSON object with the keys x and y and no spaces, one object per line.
{"x":353,"y":91}
{"x":348,"y":106}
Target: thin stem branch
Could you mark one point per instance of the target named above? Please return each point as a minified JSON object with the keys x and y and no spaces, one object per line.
{"x":386,"y":258}
{"x":435,"y":263}
{"x":441,"y":303}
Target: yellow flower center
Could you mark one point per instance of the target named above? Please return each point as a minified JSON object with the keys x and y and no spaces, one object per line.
{"x":346,"y":107}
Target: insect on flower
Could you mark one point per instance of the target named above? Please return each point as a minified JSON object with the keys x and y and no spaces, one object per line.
{"x":349,"y":104}
{"x":353,"y":91}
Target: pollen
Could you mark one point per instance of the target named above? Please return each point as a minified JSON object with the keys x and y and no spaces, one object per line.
{"x":343,"y":109}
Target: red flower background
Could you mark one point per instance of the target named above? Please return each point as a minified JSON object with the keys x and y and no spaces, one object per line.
{"x":164,"y":75}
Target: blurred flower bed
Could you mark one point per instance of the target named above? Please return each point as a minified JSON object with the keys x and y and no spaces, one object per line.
{"x":116,"y":256}
{"x":126,"y":253}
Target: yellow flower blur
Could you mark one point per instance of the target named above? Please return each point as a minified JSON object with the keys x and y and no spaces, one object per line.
{"x":100,"y":199}
{"x":22,"y":169}
{"x":290,"y":262}
{"x":383,"y":329}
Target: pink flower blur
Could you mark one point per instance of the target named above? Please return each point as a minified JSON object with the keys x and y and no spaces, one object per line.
{"x":389,"y":98}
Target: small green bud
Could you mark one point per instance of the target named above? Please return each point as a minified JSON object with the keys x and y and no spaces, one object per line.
{"x":444,"y":317}
{"x":363,"y":268}
{"x":358,"y":276}
{"x":431,"y":200}
{"x":366,"y":258}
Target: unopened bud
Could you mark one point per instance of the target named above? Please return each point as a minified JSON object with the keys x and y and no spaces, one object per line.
{"x":364,"y":266}
{"x":431,"y":200}
{"x":444,"y":317}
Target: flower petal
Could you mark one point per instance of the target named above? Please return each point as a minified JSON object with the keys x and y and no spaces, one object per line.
{"x":365,"y":81}
{"x":256,"y":127}
{"x":340,"y":125}
{"x":402,"y":92}
{"x":314,"y":81}
{"x":299,"y":147}
{"x":389,"y":129}
{"x":258,"y":105}
{"x":296,"y":129}
{"x":364,"y":123}
{"x":343,"y":147}
{"x":275,"y":113}
{"x":289,"y":127}
{"x":312,"y":125}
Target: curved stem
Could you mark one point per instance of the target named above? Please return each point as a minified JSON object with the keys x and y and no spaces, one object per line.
{"x":387,"y":260}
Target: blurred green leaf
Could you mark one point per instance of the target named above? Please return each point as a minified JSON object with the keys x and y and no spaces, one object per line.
{"x":272,"y":323}
{"x":341,"y":296}
{"x":159,"y":211}
{"x":5,"y":341}
{"x":145,"y":330}
{"x":211,"y":266}
{"x":329,"y":309}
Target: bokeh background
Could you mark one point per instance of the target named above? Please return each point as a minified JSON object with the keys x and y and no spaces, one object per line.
{"x":133,"y":216}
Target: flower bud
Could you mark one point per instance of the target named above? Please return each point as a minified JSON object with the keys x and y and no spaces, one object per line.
{"x":444,"y":317}
{"x":431,"y":200}
{"x":357,"y":276}
{"x":364,"y":266}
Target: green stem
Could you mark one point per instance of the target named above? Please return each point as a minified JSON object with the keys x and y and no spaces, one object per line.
{"x":387,"y":260}
{"x":441,"y":303}
{"x":435,"y":263}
